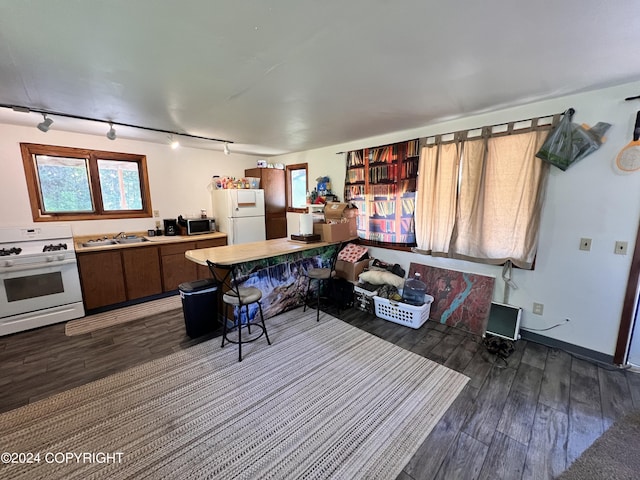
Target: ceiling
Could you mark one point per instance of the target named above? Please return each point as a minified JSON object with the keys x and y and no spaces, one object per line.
{"x":279,"y":76}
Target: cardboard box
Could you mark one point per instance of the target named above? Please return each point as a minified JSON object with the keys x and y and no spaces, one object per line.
{"x":350,"y":271}
{"x":334,"y":212}
{"x":333,"y":232}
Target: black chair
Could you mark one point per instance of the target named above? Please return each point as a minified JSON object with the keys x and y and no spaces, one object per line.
{"x":237,"y":297}
{"x":324,"y":276}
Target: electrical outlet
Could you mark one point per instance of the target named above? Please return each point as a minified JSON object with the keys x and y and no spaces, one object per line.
{"x":156,"y":213}
{"x":158,"y":224}
{"x":538,"y":308}
{"x":621,"y":248}
{"x":585,"y":244}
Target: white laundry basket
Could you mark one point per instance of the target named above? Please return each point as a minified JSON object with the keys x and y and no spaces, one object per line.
{"x":403,"y":313}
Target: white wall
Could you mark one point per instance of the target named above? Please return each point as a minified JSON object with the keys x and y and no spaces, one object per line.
{"x":178,"y":178}
{"x":588,"y":200}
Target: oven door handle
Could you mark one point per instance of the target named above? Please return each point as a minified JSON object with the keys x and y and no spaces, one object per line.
{"x":35,"y":266}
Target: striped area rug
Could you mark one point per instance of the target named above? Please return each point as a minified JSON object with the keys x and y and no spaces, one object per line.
{"x":91,"y":323}
{"x":325,"y":400}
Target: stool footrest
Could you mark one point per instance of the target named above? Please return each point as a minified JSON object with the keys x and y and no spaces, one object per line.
{"x":262,"y":332}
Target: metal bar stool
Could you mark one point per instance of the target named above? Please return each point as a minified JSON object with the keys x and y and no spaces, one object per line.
{"x":237,"y":297}
{"x":323,"y":276}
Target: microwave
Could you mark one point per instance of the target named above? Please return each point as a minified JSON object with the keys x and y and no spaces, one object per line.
{"x":196,"y":226}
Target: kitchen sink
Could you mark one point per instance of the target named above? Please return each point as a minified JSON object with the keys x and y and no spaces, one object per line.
{"x":131,"y":240}
{"x":99,"y":243}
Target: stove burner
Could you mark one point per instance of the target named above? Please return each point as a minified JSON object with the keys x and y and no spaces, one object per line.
{"x":54,"y":248}
{"x":10,"y":251}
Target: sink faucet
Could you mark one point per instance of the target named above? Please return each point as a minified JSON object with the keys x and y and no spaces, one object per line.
{"x":121,"y":234}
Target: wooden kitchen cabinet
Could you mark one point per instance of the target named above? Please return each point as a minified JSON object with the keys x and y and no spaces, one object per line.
{"x":203,"y":272}
{"x":115,"y":276}
{"x":141,"y":272}
{"x":176,"y":269}
{"x":102,"y":279}
{"x":272,"y":181}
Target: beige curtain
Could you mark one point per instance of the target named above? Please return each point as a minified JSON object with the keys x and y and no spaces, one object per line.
{"x":500,"y":199}
{"x":436,"y":199}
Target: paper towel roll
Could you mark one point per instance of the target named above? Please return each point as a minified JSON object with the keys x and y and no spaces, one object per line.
{"x":306,"y":224}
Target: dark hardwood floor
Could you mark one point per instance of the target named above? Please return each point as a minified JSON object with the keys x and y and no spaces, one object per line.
{"x":527,"y":418}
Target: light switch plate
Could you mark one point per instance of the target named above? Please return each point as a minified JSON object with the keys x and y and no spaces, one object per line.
{"x":585,"y":244}
{"x":538,"y":308}
{"x":621,"y":248}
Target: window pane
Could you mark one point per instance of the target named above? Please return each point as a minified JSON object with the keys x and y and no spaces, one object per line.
{"x":64,"y":184}
{"x":120,"y":185}
{"x":299,"y":188}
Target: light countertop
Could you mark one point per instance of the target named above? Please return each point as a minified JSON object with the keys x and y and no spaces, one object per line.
{"x":246,"y":252}
{"x":162,"y":239}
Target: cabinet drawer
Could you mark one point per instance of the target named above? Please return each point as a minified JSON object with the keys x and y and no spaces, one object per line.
{"x":214,"y":242}
{"x":177,"y":248}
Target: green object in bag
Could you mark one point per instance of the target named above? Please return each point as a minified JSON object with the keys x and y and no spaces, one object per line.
{"x":570,"y":142}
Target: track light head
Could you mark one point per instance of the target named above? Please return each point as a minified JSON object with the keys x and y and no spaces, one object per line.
{"x":45,"y":124}
{"x":226,"y":149}
{"x":111,"y":134}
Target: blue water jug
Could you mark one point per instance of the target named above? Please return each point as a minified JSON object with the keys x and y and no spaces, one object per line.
{"x":414,"y":290}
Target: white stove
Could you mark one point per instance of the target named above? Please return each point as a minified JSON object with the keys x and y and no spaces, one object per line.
{"x":39,"y":281}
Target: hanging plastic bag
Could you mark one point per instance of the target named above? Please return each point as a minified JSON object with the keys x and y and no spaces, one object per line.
{"x":587,"y":140}
{"x":569,"y":142}
{"x":557,"y":148}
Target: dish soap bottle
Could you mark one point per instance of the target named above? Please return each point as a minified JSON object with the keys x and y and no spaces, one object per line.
{"x":414,"y":290}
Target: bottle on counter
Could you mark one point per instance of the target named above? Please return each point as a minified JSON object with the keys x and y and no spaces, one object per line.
{"x":414,"y":290}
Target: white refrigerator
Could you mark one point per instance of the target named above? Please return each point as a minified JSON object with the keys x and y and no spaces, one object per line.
{"x":240,"y":214}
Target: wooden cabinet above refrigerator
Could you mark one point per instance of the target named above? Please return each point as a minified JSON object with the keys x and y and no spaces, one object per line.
{"x":272,"y":181}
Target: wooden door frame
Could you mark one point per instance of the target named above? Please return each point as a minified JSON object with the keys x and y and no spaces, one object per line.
{"x":628,"y":306}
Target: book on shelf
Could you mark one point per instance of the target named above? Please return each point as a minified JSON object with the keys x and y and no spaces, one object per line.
{"x":355,"y":175}
{"x":408,"y":206}
{"x":413,"y":148}
{"x":410,"y":168}
{"x":354,"y":191}
{"x":355,"y":159}
{"x":384,"y":208}
{"x":383,"y":173}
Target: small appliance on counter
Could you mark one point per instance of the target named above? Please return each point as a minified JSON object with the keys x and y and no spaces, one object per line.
{"x":196,"y":226}
{"x":170,"y":226}
{"x":306,"y":234}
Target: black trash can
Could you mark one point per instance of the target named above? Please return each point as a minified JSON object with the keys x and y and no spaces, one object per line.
{"x":200,"y":306}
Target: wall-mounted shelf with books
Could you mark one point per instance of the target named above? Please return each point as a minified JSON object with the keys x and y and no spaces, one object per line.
{"x":381,"y":182}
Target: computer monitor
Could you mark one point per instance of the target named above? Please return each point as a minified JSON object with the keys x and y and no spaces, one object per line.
{"x":504,"y":321}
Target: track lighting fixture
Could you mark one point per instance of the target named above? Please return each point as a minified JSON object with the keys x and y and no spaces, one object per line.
{"x":111,"y":134}
{"x":45,"y":124}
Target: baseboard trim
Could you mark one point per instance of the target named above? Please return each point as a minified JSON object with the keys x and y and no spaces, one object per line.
{"x":129,"y":303}
{"x":585,"y":353}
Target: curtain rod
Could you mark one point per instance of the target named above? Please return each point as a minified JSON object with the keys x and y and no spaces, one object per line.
{"x":570,"y":111}
{"x":22,"y":109}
